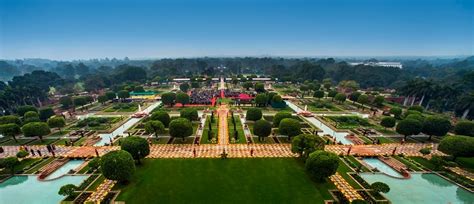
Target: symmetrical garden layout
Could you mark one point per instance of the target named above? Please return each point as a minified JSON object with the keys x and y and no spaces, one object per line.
{"x":226,"y":159}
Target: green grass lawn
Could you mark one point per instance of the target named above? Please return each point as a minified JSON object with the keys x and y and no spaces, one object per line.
{"x":204,"y":138}
{"x":39,"y":165}
{"x":123,"y":107}
{"x":466,"y":163}
{"x":240,"y":129}
{"x":281,"y":180}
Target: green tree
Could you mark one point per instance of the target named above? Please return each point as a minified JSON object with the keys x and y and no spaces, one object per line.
{"x":168,"y":98}
{"x":66,"y":102}
{"x":436,"y":125}
{"x":262,"y":129}
{"x":110,"y":95}
{"x":138,"y":147}
{"x":102,"y":99}
{"x":348,"y":85}
{"x":261,"y":99}
{"x":464,"y":128}
{"x":117,"y":165}
{"x":253,"y":114}
{"x":417,"y":117}
{"x":57,"y":122}
{"x":67,"y":190}
{"x":425,"y":151}
{"x":379,"y":100}
{"x":182,"y":98}
{"x":388,"y":122}
{"x":340,"y":97}
{"x":184,"y":87}
{"x":247,"y":85}
{"x":45,"y":113}
{"x":277,"y":99}
{"x":162,"y":116}
{"x":10,"y":119}
{"x":123,"y":94}
{"x":10,"y":163}
{"x":10,"y":130}
{"x":380,"y":187}
{"x":79,"y":101}
{"x":259,"y":87}
{"x":457,"y":146}
{"x":408,"y":127}
{"x":363,"y":99}
{"x":21,"y":110}
{"x":280,"y":116}
{"x":304,"y":144}
{"x":270,"y":96}
{"x":397,"y":112}
{"x":318,"y":94}
{"x":289,"y":127}
{"x":36,"y":129}
{"x":189,"y":113}
{"x":181,"y":127}
{"x":138,"y":89}
{"x":321,"y":164}
{"x":416,"y":108}
{"x":22,"y":154}
{"x":327,"y":83}
{"x":30,"y":116}
{"x":155,"y":126}
{"x":354,"y":96}
{"x":332,"y":94}
{"x":303,"y":89}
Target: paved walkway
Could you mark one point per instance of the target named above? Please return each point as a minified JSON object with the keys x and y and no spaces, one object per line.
{"x":223,"y":136}
{"x":233,"y":150}
{"x":10,"y":151}
{"x":408,"y":149}
{"x":214,"y":151}
{"x":102,"y":190}
{"x":345,"y":188}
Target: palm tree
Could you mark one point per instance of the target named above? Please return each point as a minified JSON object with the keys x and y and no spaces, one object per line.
{"x":466,"y":103}
{"x":425,"y":89}
{"x":410,"y":90}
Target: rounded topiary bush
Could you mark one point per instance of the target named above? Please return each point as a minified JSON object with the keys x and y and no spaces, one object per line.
{"x":138,"y":147}
{"x":254,"y":114}
{"x":321,"y":164}
{"x":117,"y":165}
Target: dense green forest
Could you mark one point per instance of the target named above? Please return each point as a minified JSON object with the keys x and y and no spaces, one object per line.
{"x":439,"y":84}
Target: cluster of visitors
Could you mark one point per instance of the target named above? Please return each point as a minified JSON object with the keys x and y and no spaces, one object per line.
{"x":203,"y":96}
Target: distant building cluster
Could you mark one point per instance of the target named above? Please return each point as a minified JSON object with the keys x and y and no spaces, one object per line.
{"x":381,"y":64}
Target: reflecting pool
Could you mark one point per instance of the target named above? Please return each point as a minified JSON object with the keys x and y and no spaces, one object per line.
{"x":28,"y":189}
{"x":421,"y":188}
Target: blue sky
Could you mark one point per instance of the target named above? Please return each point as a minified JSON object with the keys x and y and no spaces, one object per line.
{"x":83,"y":29}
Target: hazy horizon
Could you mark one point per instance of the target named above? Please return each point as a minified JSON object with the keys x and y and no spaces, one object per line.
{"x":81,"y":30}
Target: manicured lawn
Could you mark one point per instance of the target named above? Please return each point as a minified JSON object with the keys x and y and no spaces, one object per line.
{"x":39,"y":165}
{"x":347,"y":122}
{"x":123,"y":107}
{"x":409,"y":164}
{"x":240,"y":130}
{"x":96,"y":183}
{"x":466,"y":162}
{"x":281,"y":180}
{"x":204,"y":138}
{"x":343,"y":169}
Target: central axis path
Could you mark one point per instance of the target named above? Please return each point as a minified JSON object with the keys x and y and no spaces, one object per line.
{"x":223,"y":136}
